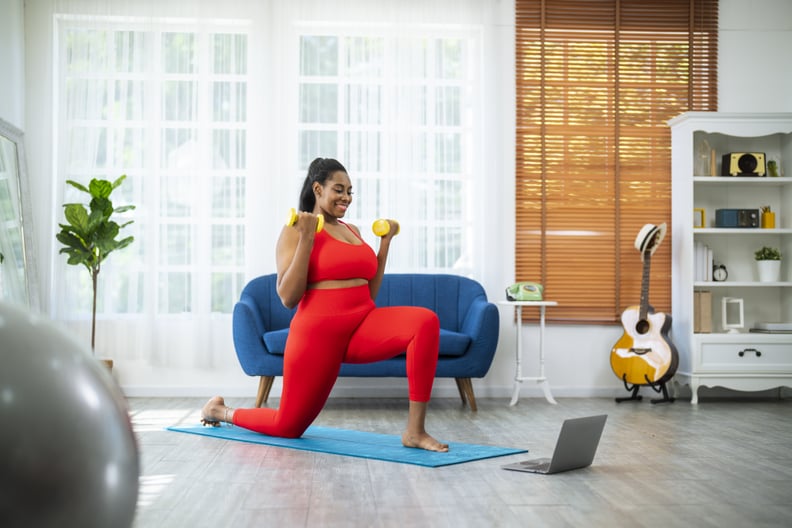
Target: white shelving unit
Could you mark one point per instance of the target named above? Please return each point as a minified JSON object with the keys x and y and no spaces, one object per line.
{"x":743,"y":360}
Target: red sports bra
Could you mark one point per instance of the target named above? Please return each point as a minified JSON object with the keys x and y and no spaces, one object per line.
{"x":333,"y":259}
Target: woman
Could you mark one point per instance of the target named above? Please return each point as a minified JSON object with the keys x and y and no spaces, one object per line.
{"x":333,"y":278}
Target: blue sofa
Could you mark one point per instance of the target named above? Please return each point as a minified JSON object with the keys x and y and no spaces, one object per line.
{"x":468,"y":329}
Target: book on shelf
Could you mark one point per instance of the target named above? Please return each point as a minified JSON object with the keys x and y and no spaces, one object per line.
{"x":702,"y":312}
{"x":703,"y":260}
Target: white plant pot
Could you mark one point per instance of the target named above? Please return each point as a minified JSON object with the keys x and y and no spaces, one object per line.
{"x":769,"y":270}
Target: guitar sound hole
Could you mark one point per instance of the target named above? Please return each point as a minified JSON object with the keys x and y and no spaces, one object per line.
{"x":642,"y":326}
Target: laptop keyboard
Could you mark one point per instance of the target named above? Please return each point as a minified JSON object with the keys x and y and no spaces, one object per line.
{"x":541,"y":463}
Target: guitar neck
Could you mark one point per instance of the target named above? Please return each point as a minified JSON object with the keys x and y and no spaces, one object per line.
{"x":644,"y":310}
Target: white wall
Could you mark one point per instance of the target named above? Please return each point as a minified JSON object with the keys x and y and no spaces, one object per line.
{"x":12,"y":62}
{"x":755,"y":66}
{"x":755,"y":37}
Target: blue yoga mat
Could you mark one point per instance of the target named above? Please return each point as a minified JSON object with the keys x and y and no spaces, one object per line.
{"x":357,"y":444}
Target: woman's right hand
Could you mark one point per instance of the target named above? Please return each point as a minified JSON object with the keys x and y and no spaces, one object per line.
{"x":306,"y":223}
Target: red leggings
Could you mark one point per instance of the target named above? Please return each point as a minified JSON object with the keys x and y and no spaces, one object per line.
{"x":343,"y":326}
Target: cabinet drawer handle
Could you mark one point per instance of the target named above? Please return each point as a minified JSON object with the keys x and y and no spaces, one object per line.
{"x":741,"y":353}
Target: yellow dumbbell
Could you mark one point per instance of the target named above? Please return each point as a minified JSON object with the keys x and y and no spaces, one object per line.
{"x":381,"y":227}
{"x":293,"y":219}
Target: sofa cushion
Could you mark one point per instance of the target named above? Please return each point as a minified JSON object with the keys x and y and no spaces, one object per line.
{"x":452,"y":344}
{"x":275,"y":341}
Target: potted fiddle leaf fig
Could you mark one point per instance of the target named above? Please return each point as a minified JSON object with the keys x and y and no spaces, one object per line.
{"x":89,"y":236}
{"x":768,"y":261}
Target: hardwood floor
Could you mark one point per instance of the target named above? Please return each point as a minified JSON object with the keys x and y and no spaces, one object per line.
{"x":723,"y":463}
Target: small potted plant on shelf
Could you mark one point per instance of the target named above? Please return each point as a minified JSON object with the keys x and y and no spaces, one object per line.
{"x":768,"y":260}
{"x":772,"y":168}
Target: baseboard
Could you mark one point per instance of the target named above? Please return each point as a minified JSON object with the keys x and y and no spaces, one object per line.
{"x":365,"y":391}
{"x":447,"y":389}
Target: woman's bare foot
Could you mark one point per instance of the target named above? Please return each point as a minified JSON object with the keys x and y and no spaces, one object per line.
{"x":216,"y":411}
{"x":423,"y":441}
{"x":415,"y":435}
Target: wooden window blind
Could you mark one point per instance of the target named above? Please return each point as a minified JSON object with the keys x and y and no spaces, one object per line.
{"x":597,"y":80}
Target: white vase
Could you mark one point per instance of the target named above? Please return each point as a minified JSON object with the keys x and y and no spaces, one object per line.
{"x":769,"y":270}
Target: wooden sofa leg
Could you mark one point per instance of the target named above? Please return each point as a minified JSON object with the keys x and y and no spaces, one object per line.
{"x":459,"y":382}
{"x":265,"y":385}
{"x":465,"y":386}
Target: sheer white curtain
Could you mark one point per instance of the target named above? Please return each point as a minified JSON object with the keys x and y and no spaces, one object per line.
{"x":214,"y":114}
{"x":393,"y":105}
{"x":164,"y":100}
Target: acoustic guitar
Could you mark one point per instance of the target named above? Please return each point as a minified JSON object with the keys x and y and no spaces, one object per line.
{"x":645,"y":355}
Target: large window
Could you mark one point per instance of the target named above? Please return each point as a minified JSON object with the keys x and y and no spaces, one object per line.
{"x":214,"y":121}
{"x":168,"y":107}
{"x":597,"y":80}
{"x":397,"y":110}
{"x":165,"y":104}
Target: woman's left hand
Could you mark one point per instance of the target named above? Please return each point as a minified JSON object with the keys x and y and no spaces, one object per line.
{"x":394,"y":229}
{"x":386,"y":228}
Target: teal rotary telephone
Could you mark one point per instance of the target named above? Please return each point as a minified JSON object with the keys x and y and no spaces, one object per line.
{"x":525,"y":291}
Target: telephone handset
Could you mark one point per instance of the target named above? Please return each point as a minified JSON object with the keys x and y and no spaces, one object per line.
{"x":525,"y":291}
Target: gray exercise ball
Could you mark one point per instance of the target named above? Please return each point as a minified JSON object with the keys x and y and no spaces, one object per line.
{"x":68,"y":455}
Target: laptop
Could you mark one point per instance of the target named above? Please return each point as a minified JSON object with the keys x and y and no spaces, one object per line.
{"x":577,"y":443}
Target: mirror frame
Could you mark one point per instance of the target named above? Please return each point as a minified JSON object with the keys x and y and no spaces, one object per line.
{"x":16,"y":136}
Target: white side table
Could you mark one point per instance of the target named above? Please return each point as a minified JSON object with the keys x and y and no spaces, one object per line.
{"x":518,"y":377}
